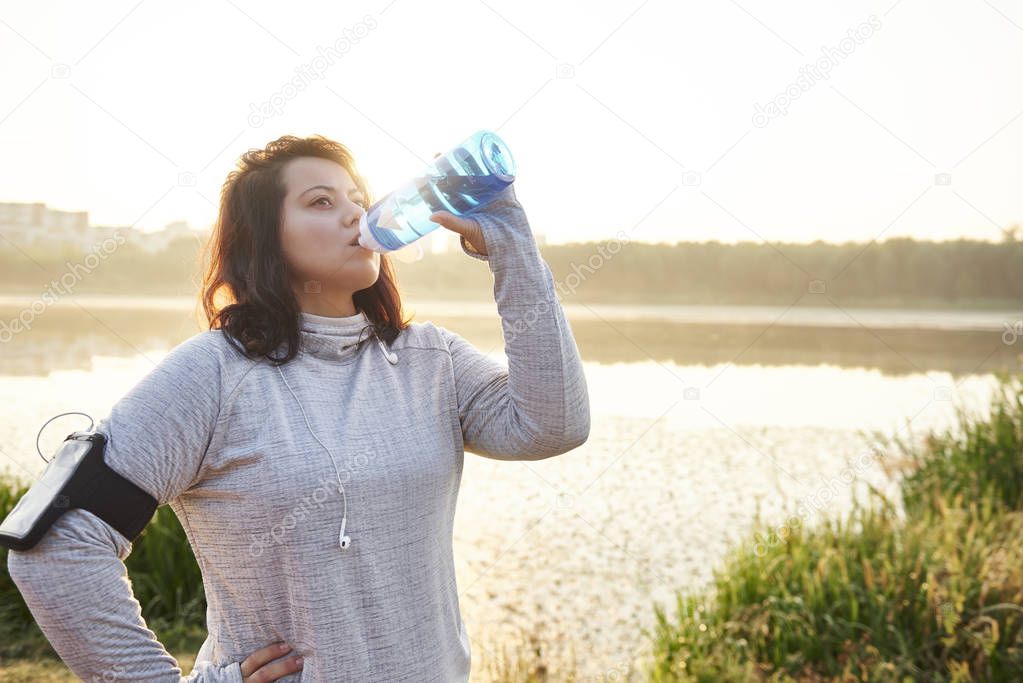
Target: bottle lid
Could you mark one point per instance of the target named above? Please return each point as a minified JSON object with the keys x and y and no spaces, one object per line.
{"x":497,"y":156}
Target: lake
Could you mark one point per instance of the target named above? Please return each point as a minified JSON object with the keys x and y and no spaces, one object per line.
{"x":702,"y":418}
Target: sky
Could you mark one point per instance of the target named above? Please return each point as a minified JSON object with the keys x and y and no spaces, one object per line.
{"x":646,"y":120}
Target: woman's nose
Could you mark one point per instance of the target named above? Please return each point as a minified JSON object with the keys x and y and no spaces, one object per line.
{"x":353,"y":214}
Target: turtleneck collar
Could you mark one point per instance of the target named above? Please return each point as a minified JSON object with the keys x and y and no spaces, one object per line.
{"x":338,"y":338}
{"x":341,"y":322}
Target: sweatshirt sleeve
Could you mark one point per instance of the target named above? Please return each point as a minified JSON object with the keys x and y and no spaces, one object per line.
{"x":538,"y":405}
{"x":74,"y":580}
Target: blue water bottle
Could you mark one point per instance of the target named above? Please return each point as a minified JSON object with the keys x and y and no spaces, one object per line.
{"x":461,"y":181}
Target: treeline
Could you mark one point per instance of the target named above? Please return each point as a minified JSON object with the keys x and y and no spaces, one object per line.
{"x":896,"y":272}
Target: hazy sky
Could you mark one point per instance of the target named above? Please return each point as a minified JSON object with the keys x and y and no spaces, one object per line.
{"x":653,"y":118}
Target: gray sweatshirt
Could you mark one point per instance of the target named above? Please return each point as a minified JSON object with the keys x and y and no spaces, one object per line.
{"x":244,"y":454}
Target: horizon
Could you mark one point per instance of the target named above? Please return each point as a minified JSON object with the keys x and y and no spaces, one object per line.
{"x":1002,"y":238}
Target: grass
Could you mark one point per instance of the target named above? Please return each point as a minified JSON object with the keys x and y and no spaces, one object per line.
{"x":926,"y":587}
{"x":49,"y":670}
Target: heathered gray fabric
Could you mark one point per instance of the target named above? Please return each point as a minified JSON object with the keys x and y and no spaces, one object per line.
{"x":220,"y":438}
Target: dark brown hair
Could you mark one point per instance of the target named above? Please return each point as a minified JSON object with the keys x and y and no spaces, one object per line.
{"x":246,"y":289}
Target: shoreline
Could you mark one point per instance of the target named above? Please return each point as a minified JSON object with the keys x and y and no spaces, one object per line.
{"x":957,"y":319}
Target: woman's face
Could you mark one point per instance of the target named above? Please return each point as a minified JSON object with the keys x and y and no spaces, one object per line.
{"x":319,"y":228}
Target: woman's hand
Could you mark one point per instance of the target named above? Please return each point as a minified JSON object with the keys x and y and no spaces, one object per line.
{"x":254,"y":671}
{"x":467,"y":227}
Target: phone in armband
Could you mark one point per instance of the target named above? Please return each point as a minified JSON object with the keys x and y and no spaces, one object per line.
{"x":77,"y":478}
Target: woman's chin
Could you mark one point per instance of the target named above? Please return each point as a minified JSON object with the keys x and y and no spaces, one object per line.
{"x":354,"y":275}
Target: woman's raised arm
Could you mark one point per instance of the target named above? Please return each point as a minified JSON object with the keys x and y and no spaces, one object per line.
{"x":537,"y":406}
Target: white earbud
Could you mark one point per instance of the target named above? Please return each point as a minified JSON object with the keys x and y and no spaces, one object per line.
{"x":391,"y":356}
{"x":343,"y":541}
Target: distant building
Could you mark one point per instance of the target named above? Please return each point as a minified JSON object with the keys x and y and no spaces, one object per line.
{"x":36,"y":225}
{"x":157,"y":241}
{"x":29,"y":224}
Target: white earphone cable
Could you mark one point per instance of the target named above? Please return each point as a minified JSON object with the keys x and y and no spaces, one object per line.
{"x":343,"y":541}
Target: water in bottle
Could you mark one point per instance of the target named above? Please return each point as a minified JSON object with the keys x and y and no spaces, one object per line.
{"x":461,"y":181}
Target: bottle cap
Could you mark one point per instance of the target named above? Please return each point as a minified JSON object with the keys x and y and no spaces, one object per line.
{"x":497,"y":157}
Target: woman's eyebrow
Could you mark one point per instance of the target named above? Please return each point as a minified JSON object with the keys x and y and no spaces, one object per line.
{"x":328,"y":187}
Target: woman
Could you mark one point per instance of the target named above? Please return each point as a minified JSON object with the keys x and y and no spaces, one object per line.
{"x":311,"y":444}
